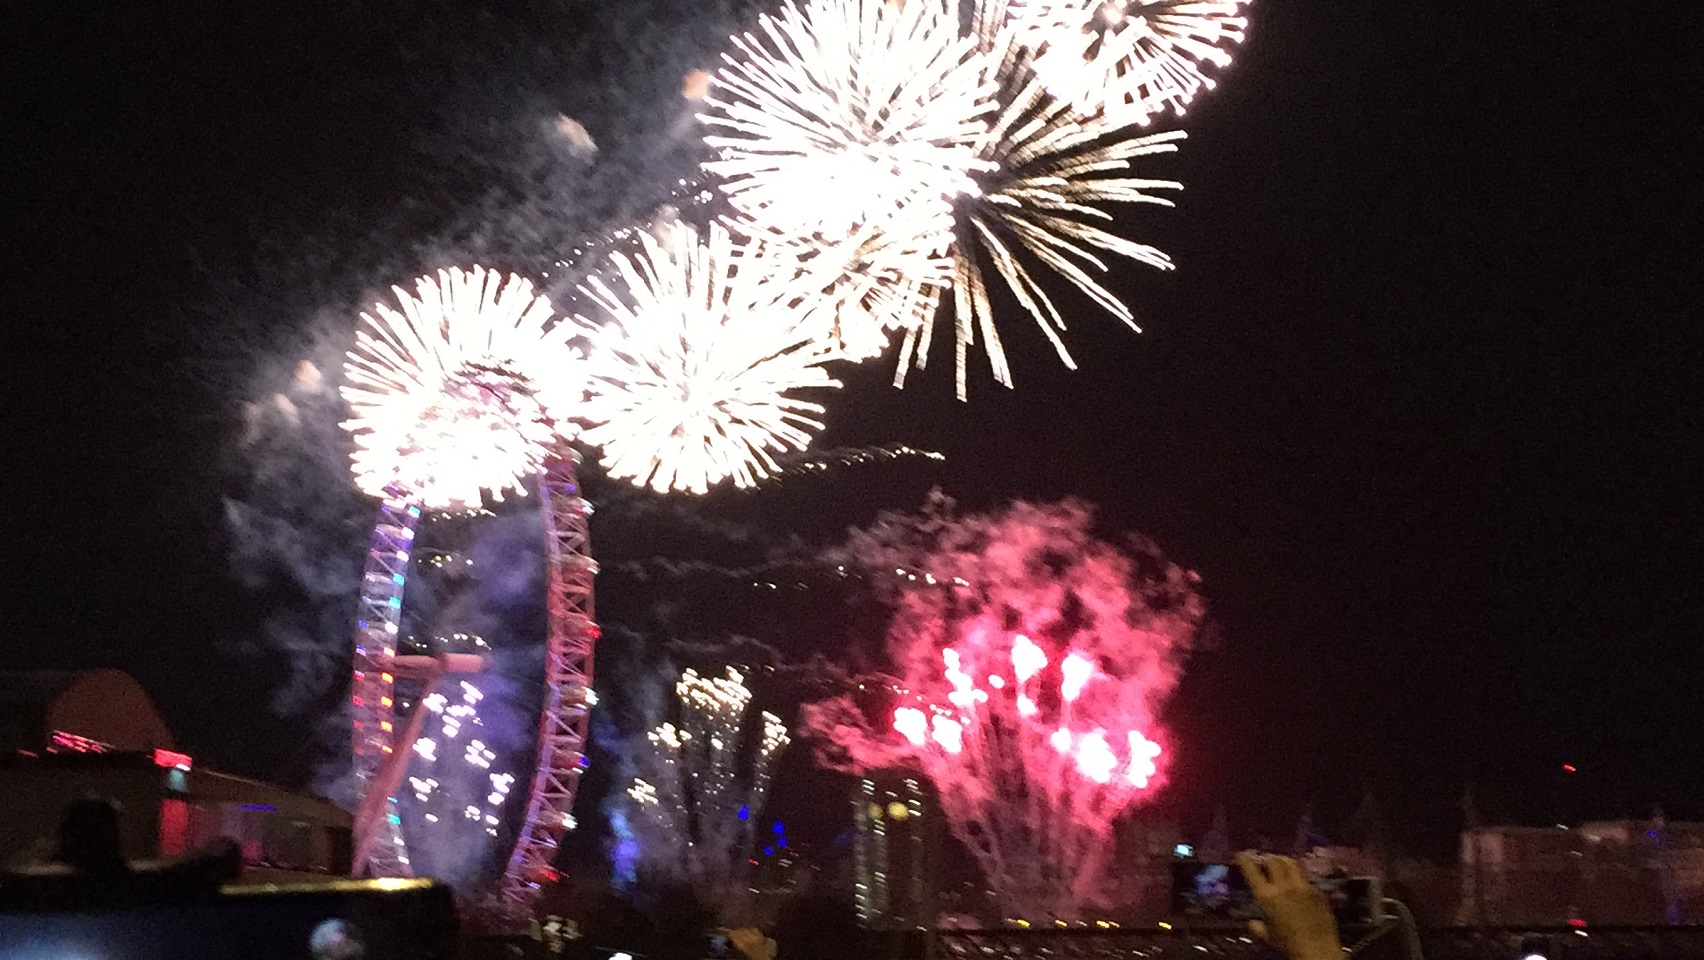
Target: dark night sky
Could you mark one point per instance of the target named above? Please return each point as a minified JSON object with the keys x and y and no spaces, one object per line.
{"x":1419,"y":403}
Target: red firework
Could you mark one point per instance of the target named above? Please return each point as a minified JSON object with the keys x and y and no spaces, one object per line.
{"x":1032,"y":660}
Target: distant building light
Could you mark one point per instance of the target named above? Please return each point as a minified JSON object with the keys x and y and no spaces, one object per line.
{"x":259,"y":806}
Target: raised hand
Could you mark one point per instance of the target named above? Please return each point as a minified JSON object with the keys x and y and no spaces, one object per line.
{"x":1298,"y":920}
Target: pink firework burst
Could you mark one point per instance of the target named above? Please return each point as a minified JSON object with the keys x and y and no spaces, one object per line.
{"x":1032,"y":659}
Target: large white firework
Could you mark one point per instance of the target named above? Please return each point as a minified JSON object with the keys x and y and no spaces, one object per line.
{"x":460,"y":388}
{"x":695,"y":367}
{"x":841,"y":113}
{"x":1128,"y":60}
{"x":1048,"y":176}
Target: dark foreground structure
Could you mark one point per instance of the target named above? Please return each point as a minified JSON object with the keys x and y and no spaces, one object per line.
{"x":1449,"y":943}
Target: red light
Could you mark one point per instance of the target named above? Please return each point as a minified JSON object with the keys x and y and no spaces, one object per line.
{"x":173,"y":759}
{"x":1568,"y":768}
{"x":1576,"y":922}
{"x":62,"y":741}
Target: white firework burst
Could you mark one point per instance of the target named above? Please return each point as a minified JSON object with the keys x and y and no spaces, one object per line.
{"x":461,"y":387}
{"x":842,"y":113}
{"x":1128,"y":59}
{"x":695,"y":367}
{"x":1048,"y":174}
{"x":855,"y":295}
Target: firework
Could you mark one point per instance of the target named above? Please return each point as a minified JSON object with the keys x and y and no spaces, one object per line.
{"x":1046,"y":177}
{"x":459,"y":388}
{"x":845,"y":113}
{"x":1033,"y":661}
{"x":856,"y":294}
{"x":699,"y":795}
{"x":1128,"y":60}
{"x":694,"y":371}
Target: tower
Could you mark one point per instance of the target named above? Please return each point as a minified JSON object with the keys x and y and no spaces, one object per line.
{"x":896,"y":851}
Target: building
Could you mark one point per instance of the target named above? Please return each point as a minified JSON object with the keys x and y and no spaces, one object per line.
{"x":170,"y":808}
{"x":66,"y":736}
{"x":896,"y":853}
{"x":105,"y":706}
{"x":1140,"y":878}
{"x":1610,"y":872}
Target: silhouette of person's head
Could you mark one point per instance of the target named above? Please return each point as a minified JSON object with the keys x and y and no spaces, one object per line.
{"x":88,"y":837}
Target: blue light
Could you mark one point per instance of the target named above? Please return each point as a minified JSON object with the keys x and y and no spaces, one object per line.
{"x":259,"y":806}
{"x":397,"y":577}
{"x":779,"y":828}
{"x":395,"y":819}
{"x":745,"y":812}
{"x":769,"y":851}
{"x":396,"y":602}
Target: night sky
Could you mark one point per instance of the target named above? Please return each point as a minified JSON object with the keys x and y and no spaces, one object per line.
{"x":1419,"y":403}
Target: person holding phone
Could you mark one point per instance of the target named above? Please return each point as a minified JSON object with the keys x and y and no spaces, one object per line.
{"x":1298,"y":920}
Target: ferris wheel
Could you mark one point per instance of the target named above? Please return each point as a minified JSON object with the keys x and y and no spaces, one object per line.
{"x":459,"y":392}
{"x":384,"y":742}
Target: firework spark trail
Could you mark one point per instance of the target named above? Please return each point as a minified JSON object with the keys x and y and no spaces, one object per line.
{"x":694,"y":368}
{"x":866,"y":287}
{"x":1129,"y":60}
{"x":460,"y":390}
{"x":848,"y":456}
{"x":849,"y":112}
{"x":1052,"y":174}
